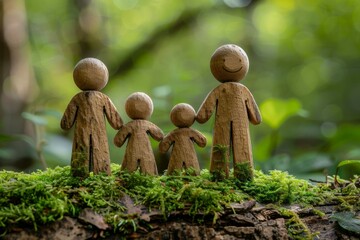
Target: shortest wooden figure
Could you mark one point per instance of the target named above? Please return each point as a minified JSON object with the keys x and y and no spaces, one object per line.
{"x":86,"y":111}
{"x":139,"y":154}
{"x":183,"y":155}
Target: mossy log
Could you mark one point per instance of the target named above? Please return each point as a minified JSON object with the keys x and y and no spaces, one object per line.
{"x":54,"y":205}
{"x":243,"y":221}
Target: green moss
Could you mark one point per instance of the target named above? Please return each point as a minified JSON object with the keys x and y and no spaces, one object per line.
{"x":243,"y":171}
{"x":296,"y":228}
{"x":280,"y":187}
{"x":220,"y":170}
{"x":47,"y":196}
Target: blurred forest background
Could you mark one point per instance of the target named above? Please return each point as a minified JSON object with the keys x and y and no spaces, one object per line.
{"x":304,"y":73}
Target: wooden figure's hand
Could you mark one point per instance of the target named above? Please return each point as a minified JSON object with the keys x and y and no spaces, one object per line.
{"x":69,"y":117}
{"x":112,"y":115}
{"x":155,"y":132}
{"x":121,"y":136}
{"x":164,"y":145}
{"x":206,"y":109}
{"x":199,"y":138}
{"x":253,"y":111}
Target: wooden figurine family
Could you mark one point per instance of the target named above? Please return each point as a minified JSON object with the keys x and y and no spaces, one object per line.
{"x":231,"y":102}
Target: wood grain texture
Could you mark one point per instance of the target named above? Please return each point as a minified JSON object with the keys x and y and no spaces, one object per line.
{"x":183,"y":155}
{"x":90,"y":74}
{"x":139,"y":153}
{"x":234,"y":107}
{"x":87,"y":111}
{"x":182,"y":139}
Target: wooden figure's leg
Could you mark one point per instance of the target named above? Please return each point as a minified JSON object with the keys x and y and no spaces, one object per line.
{"x":129,"y":163}
{"x":173,"y":165}
{"x":80,"y":159}
{"x":148,"y":167}
{"x":195,"y":166}
{"x":241,"y":149}
{"x":99,"y":161}
{"x":220,"y":152}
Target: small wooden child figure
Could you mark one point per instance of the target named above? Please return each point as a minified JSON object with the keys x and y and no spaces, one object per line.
{"x":183,"y":155}
{"x":87,"y":111}
{"x":139,"y":153}
{"x":234,"y":107}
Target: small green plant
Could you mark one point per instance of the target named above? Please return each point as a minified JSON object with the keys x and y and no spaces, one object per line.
{"x":126,"y":226}
{"x":341,"y":164}
{"x":39,"y":141}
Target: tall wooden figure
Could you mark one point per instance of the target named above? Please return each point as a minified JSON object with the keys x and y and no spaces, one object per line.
{"x":87,"y":111}
{"x":234,"y":107}
{"x":183,"y":155}
{"x":139,"y":153}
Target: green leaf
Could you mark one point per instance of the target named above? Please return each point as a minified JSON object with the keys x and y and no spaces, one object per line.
{"x":37,"y":120}
{"x":347,"y":162}
{"x":341,"y":164}
{"x":276,"y":111}
{"x":347,"y":221}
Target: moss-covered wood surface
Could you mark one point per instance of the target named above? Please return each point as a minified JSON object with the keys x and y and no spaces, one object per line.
{"x":52,"y":204}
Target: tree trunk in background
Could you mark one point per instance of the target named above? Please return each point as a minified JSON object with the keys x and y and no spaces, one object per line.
{"x":17,"y":84}
{"x":88,"y":28}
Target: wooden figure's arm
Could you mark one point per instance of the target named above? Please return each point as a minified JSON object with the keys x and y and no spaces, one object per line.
{"x":199,"y":138}
{"x":121,"y":136}
{"x":69,"y":117}
{"x":112,"y":114}
{"x":165,"y":143}
{"x":155,"y":132}
{"x":252,"y":109}
{"x":207,"y":108}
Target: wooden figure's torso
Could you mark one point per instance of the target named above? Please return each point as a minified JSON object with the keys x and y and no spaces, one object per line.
{"x":139,"y":153}
{"x":183,"y":151}
{"x":231,"y":100}
{"x":90,"y":145}
{"x":90,"y":110}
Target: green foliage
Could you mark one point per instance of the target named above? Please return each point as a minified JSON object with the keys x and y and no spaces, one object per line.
{"x":294,"y":55}
{"x":345,"y":163}
{"x":276,"y":111}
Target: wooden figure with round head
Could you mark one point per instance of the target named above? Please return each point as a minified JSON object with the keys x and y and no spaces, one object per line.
{"x":182,"y":139}
{"x":87,"y":112}
{"x":139,"y":154}
{"x":234,"y":108}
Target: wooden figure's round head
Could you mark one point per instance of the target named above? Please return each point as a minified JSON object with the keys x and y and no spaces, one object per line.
{"x":229,"y":63}
{"x":90,"y":74}
{"x":182,"y":115}
{"x":139,"y":106}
